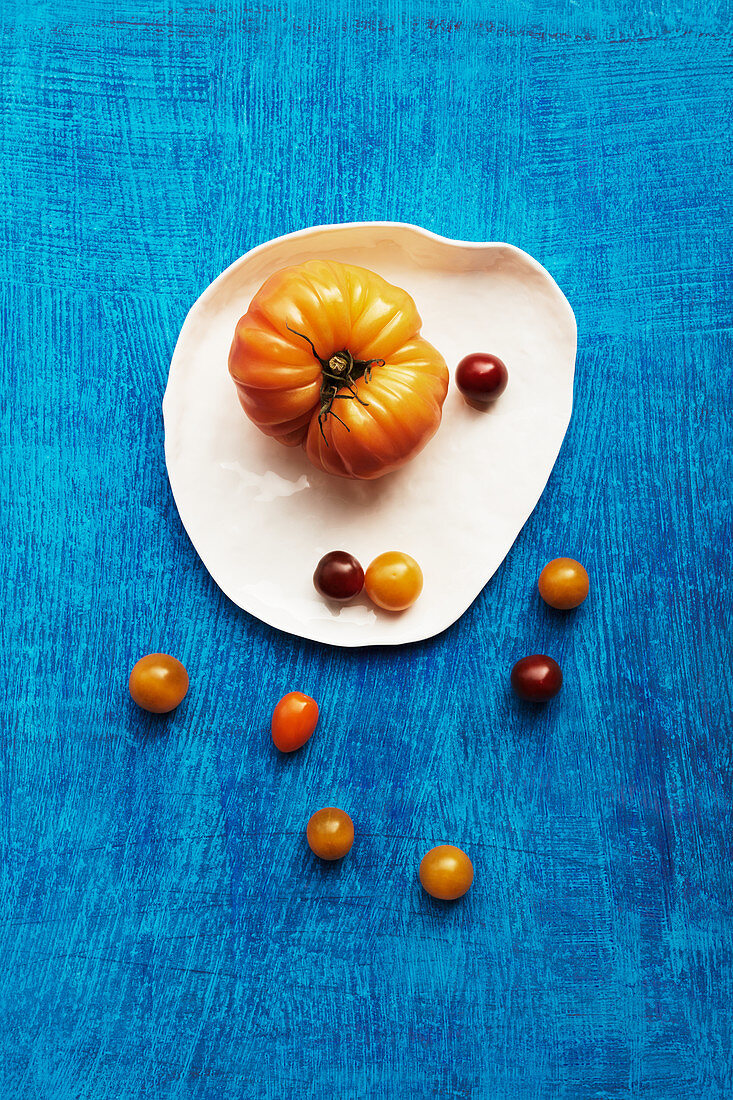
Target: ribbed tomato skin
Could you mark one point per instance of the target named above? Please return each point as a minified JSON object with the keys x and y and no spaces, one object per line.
{"x":339,"y":307}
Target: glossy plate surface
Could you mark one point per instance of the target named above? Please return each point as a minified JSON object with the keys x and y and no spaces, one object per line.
{"x":260,"y":516}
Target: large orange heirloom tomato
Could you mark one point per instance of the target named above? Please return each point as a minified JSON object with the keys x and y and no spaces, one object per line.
{"x":330,"y":356}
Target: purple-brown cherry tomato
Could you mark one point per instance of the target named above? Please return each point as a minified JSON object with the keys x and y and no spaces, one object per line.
{"x":481,"y":377}
{"x":338,"y":576}
{"x":536,"y":678}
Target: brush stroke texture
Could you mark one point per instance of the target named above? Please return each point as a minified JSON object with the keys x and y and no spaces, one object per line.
{"x":164,"y":930}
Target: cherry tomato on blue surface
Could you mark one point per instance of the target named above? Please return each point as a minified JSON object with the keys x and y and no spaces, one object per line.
{"x":563,"y":583}
{"x":158,"y":683}
{"x":293,"y":721}
{"x":446,"y":872}
{"x":330,"y":833}
{"x":536,"y":678}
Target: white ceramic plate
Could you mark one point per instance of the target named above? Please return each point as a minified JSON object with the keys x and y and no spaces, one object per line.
{"x":260,"y":516}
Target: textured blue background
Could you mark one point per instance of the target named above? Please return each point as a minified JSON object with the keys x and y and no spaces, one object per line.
{"x":164,"y":930}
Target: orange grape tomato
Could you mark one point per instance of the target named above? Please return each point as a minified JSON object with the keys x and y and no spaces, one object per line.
{"x":563,"y":583}
{"x":293,"y":721}
{"x":158,"y":683}
{"x":393,"y":581}
{"x":446,"y":872}
{"x":330,"y":833}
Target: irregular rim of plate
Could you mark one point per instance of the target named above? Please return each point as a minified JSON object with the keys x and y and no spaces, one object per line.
{"x":397,"y":230}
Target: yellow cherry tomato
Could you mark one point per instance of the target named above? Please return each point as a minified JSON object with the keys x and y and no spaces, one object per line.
{"x":158,"y":683}
{"x":393,"y":581}
{"x":446,"y":872}
{"x":563,"y":583}
{"x":330,"y":833}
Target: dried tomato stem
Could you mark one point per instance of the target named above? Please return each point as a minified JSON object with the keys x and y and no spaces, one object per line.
{"x":340,"y":371}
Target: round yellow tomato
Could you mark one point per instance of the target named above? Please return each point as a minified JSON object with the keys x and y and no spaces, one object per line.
{"x":393,"y":581}
{"x":330,"y":356}
{"x":563,"y":583}
{"x":158,"y":683}
{"x":330,"y":833}
{"x":446,"y":872}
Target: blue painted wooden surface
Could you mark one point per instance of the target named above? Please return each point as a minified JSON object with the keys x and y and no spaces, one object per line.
{"x":164,"y":931}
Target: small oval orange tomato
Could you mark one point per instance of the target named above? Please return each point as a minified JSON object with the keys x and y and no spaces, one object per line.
{"x":393,"y":581}
{"x":293,"y":721}
{"x":446,"y":872}
{"x":158,"y":683}
{"x":330,"y":833}
{"x":563,"y":583}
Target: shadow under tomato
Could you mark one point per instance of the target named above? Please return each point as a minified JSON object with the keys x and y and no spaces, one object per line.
{"x":284,"y":760}
{"x":555,"y":615}
{"x":528,"y":711}
{"x":327,"y":870}
{"x":483,"y":408}
{"x":145,"y":726}
{"x":438,"y":910}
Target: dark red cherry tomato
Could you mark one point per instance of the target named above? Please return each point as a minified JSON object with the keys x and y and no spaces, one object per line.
{"x":338,"y":576}
{"x":481,"y":377}
{"x":536,"y":678}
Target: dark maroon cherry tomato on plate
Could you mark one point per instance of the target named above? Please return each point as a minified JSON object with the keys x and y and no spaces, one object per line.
{"x":338,"y":576}
{"x":536,"y":678}
{"x":481,"y":377}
